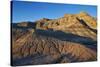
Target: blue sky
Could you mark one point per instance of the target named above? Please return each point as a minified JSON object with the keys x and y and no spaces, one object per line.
{"x":32,"y":11}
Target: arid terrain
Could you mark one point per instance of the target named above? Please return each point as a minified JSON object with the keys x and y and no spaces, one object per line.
{"x":71,"y":38}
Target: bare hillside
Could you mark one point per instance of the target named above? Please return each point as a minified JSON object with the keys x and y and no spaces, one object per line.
{"x":72,"y":38}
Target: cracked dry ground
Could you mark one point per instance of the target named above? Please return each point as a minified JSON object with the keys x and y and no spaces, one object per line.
{"x":31,"y":48}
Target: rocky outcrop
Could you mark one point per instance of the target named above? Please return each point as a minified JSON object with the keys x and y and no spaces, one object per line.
{"x":80,"y":24}
{"x":22,"y":25}
{"x":90,"y":21}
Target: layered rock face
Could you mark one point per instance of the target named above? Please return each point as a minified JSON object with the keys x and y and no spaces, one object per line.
{"x":80,"y":24}
{"x":72,"y":38}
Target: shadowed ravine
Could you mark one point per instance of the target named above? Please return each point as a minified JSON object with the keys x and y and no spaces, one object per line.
{"x":69,"y":37}
{"x":66,"y":37}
